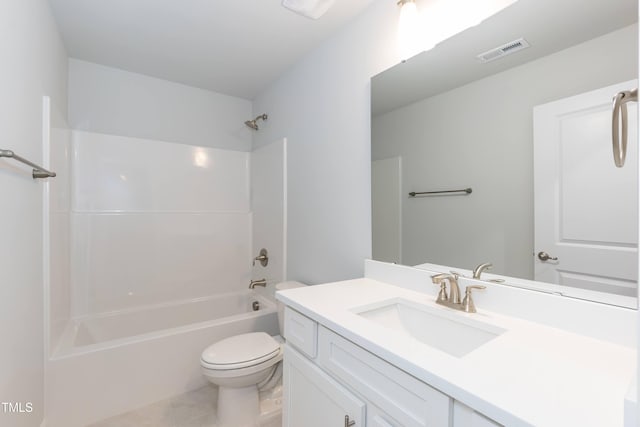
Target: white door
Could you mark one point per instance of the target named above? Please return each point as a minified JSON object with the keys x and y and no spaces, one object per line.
{"x":585,"y":208}
{"x":313,"y":399}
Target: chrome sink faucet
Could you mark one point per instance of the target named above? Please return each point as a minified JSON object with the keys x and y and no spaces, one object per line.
{"x":453,"y":299}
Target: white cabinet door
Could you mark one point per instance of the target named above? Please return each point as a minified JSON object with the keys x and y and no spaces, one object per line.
{"x":313,"y":399}
{"x":400,"y":396}
{"x":378,"y":418}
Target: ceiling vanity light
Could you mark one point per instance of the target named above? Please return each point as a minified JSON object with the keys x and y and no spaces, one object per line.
{"x":410,"y":33}
{"x":439,"y":20}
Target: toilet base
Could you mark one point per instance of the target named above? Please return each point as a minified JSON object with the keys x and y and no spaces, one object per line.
{"x":238,"y":407}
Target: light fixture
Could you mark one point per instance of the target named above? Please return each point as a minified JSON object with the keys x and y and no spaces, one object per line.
{"x":410,"y":32}
{"x":313,"y":9}
{"x":440,"y":20}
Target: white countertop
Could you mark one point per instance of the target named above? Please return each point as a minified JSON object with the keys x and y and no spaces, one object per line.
{"x":530,"y":375}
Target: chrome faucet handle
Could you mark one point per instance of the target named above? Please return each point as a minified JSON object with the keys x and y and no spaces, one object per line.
{"x":467,"y":304}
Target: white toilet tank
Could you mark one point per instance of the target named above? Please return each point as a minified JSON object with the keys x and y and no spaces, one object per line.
{"x":281,"y":287}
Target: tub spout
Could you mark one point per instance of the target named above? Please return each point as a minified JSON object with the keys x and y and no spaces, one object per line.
{"x":254,"y":283}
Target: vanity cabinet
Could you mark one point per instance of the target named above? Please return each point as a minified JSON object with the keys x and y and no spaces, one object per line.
{"x":327,"y":377}
{"x":405,"y":400}
{"x":314,"y":399}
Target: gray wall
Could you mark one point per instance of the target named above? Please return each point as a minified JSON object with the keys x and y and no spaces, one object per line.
{"x":116,"y":102}
{"x":322,"y":106}
{"x":34,"y":63}
{"x":481,"y":135}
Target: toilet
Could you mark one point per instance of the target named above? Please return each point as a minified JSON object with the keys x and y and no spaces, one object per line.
{"x":240,"y":365}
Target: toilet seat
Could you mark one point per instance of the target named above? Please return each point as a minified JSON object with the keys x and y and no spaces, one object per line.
{"x":241,"y":351}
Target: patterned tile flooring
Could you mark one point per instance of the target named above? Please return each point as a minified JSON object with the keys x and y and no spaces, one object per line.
{"x":193,"y":409}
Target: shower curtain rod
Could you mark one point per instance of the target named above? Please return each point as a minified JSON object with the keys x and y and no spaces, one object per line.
{"x":38,"y":171}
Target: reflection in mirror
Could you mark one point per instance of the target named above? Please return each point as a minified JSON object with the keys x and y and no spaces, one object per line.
{"x":530,"y":134}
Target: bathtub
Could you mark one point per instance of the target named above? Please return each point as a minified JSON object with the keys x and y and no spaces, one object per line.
{"x":115,"y":362}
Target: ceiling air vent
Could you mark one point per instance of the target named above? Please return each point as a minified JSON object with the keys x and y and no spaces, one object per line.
{"x":504,"y":50}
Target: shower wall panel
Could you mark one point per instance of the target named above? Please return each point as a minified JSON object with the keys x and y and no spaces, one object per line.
{"x":155,"y":222}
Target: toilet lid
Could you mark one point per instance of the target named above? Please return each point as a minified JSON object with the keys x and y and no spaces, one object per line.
{"x":240,"y":351}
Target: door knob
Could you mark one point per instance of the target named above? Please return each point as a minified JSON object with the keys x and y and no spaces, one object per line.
{"x":543,"y":256}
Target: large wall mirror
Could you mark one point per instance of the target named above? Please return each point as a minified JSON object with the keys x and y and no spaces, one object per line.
{"x":528,"y":130}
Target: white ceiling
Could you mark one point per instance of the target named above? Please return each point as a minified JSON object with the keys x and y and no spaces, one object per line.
{"x":235,"y":47}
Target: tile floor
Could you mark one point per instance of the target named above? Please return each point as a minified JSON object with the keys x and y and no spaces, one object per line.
{"x":193,"y":409}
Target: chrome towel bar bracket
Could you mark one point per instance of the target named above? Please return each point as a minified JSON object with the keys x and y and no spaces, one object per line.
{"x":619,"y":124}
{"x":38,"y":171}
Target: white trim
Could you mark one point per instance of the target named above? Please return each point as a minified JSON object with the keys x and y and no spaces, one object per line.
{"x":285,"y":180}
{"x":46,"y":224}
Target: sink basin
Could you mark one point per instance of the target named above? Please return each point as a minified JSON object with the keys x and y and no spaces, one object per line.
{"x":450,"y":332}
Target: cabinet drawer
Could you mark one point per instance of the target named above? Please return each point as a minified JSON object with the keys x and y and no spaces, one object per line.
{"x":301,"y":332}
{"x":404,"y":398}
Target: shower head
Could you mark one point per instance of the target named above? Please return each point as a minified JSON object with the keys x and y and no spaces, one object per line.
{"x":253,"y":124}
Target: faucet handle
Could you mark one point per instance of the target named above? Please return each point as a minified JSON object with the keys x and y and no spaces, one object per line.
{"x":441,"y":279}
{"x":467,"y":304}
{"x":442,"y":295}
{"x":263,"y":257}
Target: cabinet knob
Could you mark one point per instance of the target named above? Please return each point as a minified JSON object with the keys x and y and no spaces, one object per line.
{"x":348,"y":423}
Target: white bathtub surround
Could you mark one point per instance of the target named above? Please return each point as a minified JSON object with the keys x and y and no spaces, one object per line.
{"x":93,"y":381}
{"x":129,"y":260}
{"x":160,"y":240}
{"x":531,"y":374}
{"x":120,"y":174}
{"x":57,"y":207}
{"x":155,"y":222}
{"x":95,"y":332}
